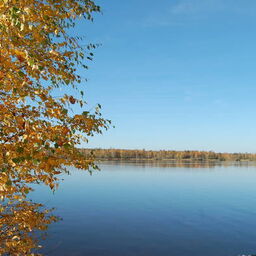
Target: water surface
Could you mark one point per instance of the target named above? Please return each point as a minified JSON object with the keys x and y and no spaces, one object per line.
{"x":135,"y":210}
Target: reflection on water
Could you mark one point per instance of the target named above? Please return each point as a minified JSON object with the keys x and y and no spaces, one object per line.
{"x":138,"y":209}
{"x":22,"y":225}
{"x":184,"y":163}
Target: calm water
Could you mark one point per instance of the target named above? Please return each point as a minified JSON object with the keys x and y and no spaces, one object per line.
{"x":133,"y":210}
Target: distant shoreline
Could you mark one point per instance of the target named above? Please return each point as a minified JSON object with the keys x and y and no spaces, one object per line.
{"x":166,"y":156}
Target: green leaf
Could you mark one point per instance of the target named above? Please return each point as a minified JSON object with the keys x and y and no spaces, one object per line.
{"x":26,"y":191}
{"x":21,"y":74}
{"x":16,"y":160}
{"x":8,"y":183}
{"x":31,"y":62}
{"x":64,"y":111}
{"x":20,"y":149}
{"x":66,"y":146}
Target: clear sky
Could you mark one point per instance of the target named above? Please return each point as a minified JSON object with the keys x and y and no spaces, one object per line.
{"x":175,"y":74}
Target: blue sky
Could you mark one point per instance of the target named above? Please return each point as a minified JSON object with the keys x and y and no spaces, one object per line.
{"x":174,"y":74}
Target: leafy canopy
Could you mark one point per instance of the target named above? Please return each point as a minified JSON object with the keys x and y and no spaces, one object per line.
{"x":38,"y":132}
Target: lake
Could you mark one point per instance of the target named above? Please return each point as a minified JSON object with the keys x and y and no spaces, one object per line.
{"x":136,"y":209}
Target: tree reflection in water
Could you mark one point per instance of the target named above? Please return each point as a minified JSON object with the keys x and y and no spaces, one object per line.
{"x":23,"y":224}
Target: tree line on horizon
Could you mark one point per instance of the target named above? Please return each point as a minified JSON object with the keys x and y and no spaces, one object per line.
{"x":135,"y":154}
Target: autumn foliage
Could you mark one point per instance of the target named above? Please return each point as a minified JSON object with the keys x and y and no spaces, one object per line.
{"x":38,"y":131}
{"x":22,"y":225}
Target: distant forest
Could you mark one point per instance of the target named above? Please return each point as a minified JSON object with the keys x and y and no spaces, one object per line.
{"x":165,"y":155}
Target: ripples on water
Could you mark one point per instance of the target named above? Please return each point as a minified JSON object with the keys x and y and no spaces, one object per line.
{"x":141,"y":209}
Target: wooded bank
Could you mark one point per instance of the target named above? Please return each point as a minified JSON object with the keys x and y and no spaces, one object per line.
{"x":128,"y":154}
